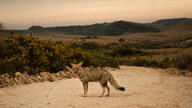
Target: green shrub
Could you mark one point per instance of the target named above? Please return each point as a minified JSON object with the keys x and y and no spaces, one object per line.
{"x":189,"y":67}
{"x":86,"y":45}
{"x":27,"y":53}
{"x":183,"y":61}
{"x":125,"y":51}
{"x":165,"y":62}
{"x":138,"y":62}
{"x":121,"y":40}
{"x":122,"y":51}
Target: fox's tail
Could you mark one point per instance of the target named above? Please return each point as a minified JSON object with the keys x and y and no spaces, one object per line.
{"x":115,"y":84}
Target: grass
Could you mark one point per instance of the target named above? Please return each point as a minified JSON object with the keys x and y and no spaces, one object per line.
{"x":154,"y":46}
{"x":165,"y":39}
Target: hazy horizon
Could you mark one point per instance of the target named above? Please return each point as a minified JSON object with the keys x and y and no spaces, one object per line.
{"x":21,"y":14}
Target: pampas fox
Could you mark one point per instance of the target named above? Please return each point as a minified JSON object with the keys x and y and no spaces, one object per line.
{"x":93,"y":75}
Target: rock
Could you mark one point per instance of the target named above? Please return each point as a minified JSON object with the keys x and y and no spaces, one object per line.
{"x":39,"y":78}
{"x":6,"y":80}
{"x":7,"y":75}
{"x":44,"y":75}
{"x":51,"y":78}
{"x":1,"y":81}
{"x":69,"y":74}
{"x":188,"y":74}
{"x":48,"y":76}
{"x":61,"y":74}
{"x":182,"y":72}
{"x":21,"y":79}
{"x":56,"y":75}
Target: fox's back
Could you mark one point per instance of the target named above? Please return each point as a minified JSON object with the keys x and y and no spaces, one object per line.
{"x":94,"y":74}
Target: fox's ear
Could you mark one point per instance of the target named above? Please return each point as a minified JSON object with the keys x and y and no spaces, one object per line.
{"x":80,"y":64}
{"x":72,"y":64}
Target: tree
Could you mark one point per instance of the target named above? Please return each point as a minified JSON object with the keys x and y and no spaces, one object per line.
{"x":1,"y":26}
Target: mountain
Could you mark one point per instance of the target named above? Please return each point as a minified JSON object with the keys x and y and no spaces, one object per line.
{"x":165,"y":24}
{"x":36,"y":28}
{"x":114,"y":28}
{"x":117,"y":27}
{"x":183,"y":26}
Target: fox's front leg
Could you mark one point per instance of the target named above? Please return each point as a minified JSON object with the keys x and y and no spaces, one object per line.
{"x":85,"y":87}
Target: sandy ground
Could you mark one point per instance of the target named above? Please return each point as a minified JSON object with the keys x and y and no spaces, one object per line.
{"x":145,"y":88}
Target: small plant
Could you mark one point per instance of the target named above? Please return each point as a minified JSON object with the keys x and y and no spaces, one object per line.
{"x":121,"y":40}
{"x":125,"y":51}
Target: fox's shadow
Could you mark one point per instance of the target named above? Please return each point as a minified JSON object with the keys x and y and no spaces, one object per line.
{"x":112,"y":95}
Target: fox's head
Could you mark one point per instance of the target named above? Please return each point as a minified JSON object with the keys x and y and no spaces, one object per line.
{"x":76,"y":67}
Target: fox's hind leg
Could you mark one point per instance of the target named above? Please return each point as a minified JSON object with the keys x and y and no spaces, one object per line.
{"x":104,"y":85}
{"x":85,"y":87}
{"x":108,"y":90}
{"x":102,"y":92}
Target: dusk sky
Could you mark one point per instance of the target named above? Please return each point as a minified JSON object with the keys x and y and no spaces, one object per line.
{"x":21,"y":14}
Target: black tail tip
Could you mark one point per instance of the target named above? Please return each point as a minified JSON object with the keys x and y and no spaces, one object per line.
{"x":122,"y":88}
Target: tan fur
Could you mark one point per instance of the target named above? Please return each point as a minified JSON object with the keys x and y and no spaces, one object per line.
{"x":95,"y":75}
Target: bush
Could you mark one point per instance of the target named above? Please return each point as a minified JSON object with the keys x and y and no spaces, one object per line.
{"x":122,"y":51}
{"x":189,"y":67}
{"x":121,"y":40}
{"x":165,"y":62}
{"x":86,"y":45}
{"x":183,"y":61}
{"x":27,"y":53}
{"x":125,"y":51}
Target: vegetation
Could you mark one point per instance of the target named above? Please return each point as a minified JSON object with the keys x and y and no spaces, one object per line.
{"x":156,"y":56}
{"x":124,"y":50}
{"x":161,"y":56}
{"x":181,"y":62}
{"x":121,"y":40}
{"x":1,"y":26}
{"x":33,"y":55}
{"x":27,"y":53}
{"x":1,"y":31}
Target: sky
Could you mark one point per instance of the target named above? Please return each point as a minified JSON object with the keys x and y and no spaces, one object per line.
{"x":21,"y":14}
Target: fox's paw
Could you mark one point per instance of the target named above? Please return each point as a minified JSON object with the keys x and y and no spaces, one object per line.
{"x":84,"y":95}
{"x":107,"y":95}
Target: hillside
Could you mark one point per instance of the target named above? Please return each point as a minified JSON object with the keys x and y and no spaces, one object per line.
{"x":114,"y":28}
{"x":109,"y":29}
{"x":36,"y":28}
{"x":165,"y":24}
{"x":183,"y":26}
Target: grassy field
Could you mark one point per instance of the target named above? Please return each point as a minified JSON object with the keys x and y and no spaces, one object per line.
{"x":159,"y":49}
{"x":168,"y":49}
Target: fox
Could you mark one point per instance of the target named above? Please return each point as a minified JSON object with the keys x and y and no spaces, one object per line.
{"x":95,"y":75}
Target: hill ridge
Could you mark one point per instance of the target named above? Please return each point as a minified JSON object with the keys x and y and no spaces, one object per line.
{"x":113,"y":28}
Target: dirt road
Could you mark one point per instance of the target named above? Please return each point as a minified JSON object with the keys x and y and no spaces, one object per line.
{"x":145,"y":88}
